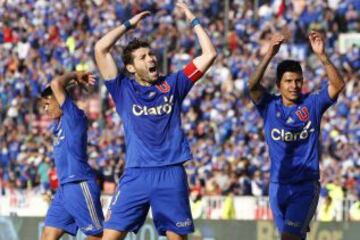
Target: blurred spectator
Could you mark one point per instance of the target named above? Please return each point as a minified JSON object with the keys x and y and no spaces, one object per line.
{"x":327,"y":210}
{"x":39,"y":39}
{"x":43,"y":173}
{"x":53,"y":179}
{"x":228,"y":208}
{"x":197,"y":205}
{"x":355,"y":210}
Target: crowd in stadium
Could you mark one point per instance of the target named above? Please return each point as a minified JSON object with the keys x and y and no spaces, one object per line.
{"x":40,"y":39}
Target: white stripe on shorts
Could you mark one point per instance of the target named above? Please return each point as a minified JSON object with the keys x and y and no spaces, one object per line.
{"x":90,"y":204}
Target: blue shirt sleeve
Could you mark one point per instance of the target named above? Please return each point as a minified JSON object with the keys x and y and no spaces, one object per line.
{"x":323,"y":100}
{"x":114,"y":86}
{"x":182,"y":83}
{"x":263,"y":105}
{"x":71,"y":112}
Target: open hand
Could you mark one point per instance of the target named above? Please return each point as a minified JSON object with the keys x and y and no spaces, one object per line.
{"x":185,"y":9}
{"x":317,"y":42}
{"x":138,"y":17}
{"x":85,"y":78}
{"x":275,"y":43}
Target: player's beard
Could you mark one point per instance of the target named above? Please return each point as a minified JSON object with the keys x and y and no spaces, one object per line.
{"x":153,"y":76}
{"x":291,"y":97}
{"x":294,"y":95}
{"x":147,"y":76}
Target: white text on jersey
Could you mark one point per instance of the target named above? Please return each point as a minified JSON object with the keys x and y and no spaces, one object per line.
{"x":162,"y":109}
{"x":281,"y":134}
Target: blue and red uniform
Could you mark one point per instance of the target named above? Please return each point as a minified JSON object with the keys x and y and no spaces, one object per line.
{"x":292,"y":134}
{"x":77,"y":201}
{"x":156,"y":148}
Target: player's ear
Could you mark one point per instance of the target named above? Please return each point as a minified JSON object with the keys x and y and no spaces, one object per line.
{"x":130,"y":68}
{"x":40,"y":102}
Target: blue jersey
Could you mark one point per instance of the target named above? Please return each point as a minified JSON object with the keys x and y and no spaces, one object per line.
{"x":70,"y":145}
{"x":292,"y":134}
{"x":152,"y":120}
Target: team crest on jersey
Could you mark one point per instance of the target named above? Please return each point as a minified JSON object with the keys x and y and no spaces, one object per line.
{"x":163,"y":87}
{"x":303,"y":114}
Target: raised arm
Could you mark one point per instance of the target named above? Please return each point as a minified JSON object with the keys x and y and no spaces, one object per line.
{"x":254,"y":84}
{"x":336,"y":82}
{"x":104,"y":60}
{"x":59,"y":84}
{"x":208,"y":51}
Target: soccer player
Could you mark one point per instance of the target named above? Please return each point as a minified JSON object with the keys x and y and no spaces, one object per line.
{"x":77,"y":201}
{"x":156,"y":146}
{"x":292,"y":130}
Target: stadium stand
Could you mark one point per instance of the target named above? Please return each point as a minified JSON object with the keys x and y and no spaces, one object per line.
{"x":39,"y":39}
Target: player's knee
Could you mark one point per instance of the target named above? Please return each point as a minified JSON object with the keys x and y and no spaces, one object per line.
{"x":95,"y":237}
{"x":174,"y":236}
{"x":44,"y":235}
{"x":110,"y":234}
{"x":289,"y":236}
{"x":50,"y":234}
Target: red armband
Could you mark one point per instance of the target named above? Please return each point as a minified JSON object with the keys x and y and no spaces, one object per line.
{"x":192,"y":72}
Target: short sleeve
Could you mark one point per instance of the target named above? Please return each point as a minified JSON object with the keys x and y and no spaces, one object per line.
{"x":71,"y":112}
{"x":263,"y":105}
{"x":323,"y":100}
{"x":186,"y":78}
{"x":114,"y":86}
{"x":183,"y":84}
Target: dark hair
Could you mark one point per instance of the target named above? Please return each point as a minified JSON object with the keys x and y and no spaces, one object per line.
{"x":131,"y":47}
{"x":46,"y":92}
{"x":287,"y":66}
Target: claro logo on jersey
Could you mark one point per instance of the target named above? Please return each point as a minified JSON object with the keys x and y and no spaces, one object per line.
{"x":162,"y":109}
{"x":286,"y":136}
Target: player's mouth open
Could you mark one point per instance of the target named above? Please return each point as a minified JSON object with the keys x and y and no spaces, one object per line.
{"x":153,"y":69}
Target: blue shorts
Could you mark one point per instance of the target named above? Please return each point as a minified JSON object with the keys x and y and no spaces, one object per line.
{"x":76,"y":205}
{"x":294,"y":205}
{"x":164,"y":189}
